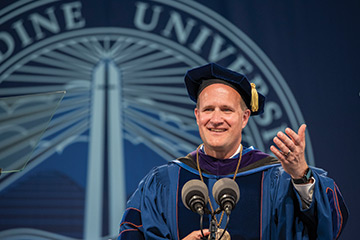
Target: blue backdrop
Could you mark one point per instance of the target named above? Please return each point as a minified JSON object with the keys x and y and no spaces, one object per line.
{"x":126,"y":110}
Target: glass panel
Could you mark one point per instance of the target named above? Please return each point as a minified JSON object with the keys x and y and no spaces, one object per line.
{"x":23,"y":120}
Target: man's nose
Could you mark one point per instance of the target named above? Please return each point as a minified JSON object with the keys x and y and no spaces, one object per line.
{"x":216,"y":118}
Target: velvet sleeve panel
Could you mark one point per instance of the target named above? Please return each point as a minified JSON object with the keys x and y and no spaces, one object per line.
{"x":145,"y":216}
{"x":324,"y":219}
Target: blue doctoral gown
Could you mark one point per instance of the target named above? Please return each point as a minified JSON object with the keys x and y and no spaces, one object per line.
{"x":269,"y":206}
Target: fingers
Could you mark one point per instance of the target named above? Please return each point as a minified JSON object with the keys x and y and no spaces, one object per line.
{"x":293,"y":135}
{"x":206,"y":232}
{"x":284,"y":143}
{"x":291,"y":139}
{"x":196,"y":235}
{"x":277,"y":153}
{"x":289,"y":142}
{"x":299,"y":137}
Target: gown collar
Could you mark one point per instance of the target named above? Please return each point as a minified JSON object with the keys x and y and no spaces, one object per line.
{"x":227,"y":166}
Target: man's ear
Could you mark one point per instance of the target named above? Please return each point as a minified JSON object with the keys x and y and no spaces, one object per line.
{"x":246,"y":116}
{"x":196,"y":116}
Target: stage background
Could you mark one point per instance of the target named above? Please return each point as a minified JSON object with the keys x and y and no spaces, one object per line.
{"x":77,"y":182}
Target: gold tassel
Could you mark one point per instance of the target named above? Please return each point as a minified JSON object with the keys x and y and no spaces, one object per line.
{"x":254,"y":98}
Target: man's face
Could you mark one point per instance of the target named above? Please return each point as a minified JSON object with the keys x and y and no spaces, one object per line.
{"x":220,"y":119}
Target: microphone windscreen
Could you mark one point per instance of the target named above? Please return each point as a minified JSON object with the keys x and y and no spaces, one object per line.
{"x":194,"y":188}
{"x":226,"y":186}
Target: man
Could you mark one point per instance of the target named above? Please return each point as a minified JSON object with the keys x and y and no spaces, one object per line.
{"x":281,"y":198}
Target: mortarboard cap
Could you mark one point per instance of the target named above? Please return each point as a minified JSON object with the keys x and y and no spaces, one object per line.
{"x":197,"y":79}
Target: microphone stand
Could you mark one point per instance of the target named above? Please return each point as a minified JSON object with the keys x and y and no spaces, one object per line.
{"x":213,"y":228}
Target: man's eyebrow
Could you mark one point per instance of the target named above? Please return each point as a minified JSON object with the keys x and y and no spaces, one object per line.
{"x":226,"y":106}
{"x":208,"y":105}
{"x":221,"y":106}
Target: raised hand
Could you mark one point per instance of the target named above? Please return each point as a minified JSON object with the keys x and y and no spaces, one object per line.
{"x":291,"y":151}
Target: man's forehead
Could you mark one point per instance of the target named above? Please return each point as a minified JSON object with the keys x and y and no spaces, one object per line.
{"x":219,"y":88}
{"x":219,"y":95}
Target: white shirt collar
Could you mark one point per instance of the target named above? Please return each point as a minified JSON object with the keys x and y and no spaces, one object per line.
{"x":237,"y":151}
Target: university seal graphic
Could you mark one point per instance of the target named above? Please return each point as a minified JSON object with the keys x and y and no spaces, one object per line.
{"x":125,"y":110}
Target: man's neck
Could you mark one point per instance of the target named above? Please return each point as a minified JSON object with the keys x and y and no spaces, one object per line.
{"x":221,"y":154}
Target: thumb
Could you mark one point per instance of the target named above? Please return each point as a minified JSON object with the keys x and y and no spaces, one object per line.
{"x":301,"y":132}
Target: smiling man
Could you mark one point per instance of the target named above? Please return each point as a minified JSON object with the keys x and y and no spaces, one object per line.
{"x":281,"y":197}
{"x":221,"y":118}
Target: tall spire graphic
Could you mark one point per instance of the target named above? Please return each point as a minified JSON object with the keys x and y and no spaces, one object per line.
{"x":106,"y":155}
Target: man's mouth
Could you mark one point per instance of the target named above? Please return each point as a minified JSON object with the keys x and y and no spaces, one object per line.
{"x":217,"y":129}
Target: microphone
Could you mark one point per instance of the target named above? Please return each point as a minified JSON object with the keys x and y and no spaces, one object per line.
{"x":194,"y":195}
{"x":226,"y":193}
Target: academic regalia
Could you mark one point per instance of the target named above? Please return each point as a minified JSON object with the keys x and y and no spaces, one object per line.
{"x":269,"y":206}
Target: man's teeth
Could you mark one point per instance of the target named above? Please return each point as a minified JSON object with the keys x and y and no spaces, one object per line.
{"x":217,"y":130}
